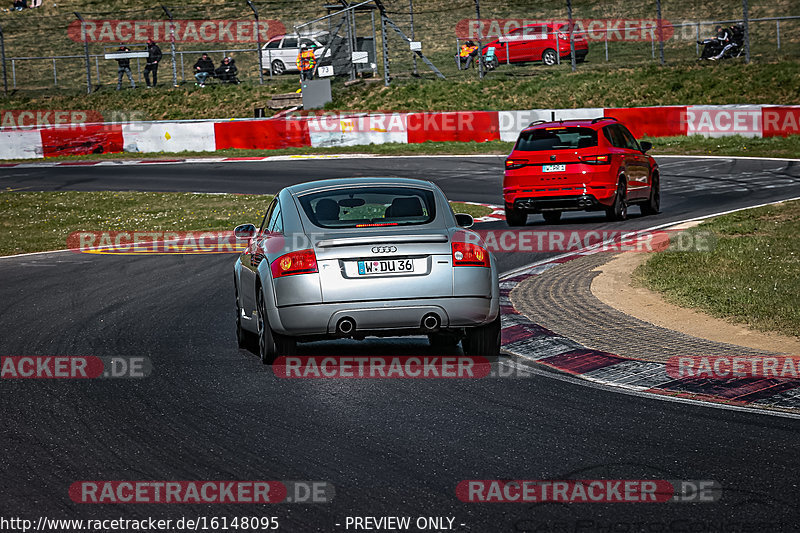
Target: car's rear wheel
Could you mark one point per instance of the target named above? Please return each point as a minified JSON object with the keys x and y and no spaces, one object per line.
{"x":515,"y":217}
{"x":271,"y":345}
{"x":653,"y":204}
{"x":443,"y":341}
{"x":619,"y":209}
{"x":278,"y":67}
{"x":244,"y":338}
{"x":483,"y":340}
{"x":551,"y":217}
{"x":549,"y":57}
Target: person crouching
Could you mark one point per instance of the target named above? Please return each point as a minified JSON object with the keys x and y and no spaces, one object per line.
{"x":203,"y":69}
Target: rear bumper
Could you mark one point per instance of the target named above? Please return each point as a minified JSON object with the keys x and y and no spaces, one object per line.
{"x":382,"y":315}
{"x":537,"y":200}
{"x":557,"y":203}
{"x":579,"y":54}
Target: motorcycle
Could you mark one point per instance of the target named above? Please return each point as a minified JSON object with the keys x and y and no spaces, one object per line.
{"x":712,"y":47}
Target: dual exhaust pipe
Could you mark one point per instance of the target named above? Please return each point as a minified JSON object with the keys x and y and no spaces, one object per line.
{"x":430,"y":323}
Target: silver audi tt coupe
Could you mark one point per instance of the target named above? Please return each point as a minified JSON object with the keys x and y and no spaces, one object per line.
{"x":362,"y":257}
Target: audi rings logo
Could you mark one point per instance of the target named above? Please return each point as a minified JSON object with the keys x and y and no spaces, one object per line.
{"x":383,"y":249}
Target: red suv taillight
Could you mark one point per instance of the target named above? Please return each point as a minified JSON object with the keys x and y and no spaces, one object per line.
{"x":595,"y":159}
{"x":512,"y":164}
{"x":302,"y":262}
{"x":468,"y":254}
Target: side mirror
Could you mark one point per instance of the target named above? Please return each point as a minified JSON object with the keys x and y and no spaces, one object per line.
{"x":646,"y":146}
{"x":244,"y":232}
{"x":464,"y":220}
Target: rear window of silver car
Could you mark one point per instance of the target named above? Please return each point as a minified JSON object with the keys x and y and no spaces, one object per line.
{"x":366,"y":207}
{"x":556,"y":138}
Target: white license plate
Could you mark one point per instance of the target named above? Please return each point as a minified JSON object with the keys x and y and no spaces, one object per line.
{"x":554,"y":168}
{"x":386,"y":266}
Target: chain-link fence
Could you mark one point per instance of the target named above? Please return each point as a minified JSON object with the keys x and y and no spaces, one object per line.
{"x":390,"y":40}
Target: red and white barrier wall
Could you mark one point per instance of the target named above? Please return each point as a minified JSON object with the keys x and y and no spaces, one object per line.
{"x":354,"y":129}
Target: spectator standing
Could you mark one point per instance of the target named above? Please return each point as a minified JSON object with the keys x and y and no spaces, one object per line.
{"x":153,"y":57}
{"x":19,"y":5}
{"x":227,"y":70}
{"x":305,"y":62}
{"x":124,"y":68}
{"x":203,"y":69}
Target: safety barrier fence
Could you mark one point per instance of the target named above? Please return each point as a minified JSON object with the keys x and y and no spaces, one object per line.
{"x":331,"y":129}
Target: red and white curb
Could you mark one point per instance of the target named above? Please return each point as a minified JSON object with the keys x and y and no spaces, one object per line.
{"x":498,"y":212}
{"x":536,"y":344}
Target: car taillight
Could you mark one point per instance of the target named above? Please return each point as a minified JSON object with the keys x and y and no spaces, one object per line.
{"x":468,"y":254}
{"x":512,"y":164}
{"x":595,"y":159}
{"x":301,"y":262}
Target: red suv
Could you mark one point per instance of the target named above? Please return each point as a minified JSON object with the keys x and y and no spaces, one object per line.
{"x":579,"y":165}
{"x":538,"y":42}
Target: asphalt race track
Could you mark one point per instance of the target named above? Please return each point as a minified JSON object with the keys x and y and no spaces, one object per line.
{"x":389,"y":447}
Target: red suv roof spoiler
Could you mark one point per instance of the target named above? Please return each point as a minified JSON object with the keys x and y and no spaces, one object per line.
{"x":598,"y":119}
{"x":561,"y":121}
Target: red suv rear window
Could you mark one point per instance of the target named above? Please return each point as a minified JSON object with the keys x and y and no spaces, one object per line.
{"x":555,"y":138}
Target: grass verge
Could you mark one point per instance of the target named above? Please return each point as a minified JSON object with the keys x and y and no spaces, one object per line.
{"x":751,"y":276}
{"x":510,"y":87}
{"x":39,"y":221}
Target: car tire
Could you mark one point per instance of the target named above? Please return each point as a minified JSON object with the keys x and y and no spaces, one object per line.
{"x":244,"y":338}
{"x":549,"y":57}
{"x":443,"y":341}
{"x":619,"y":209}
{"x":271,"y":345}
{"x":278,"y":67}
{"x":515,"y":217}
{"x":483,"y":341}
{"x":552,"y":217}
{"x":653,"y":204}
